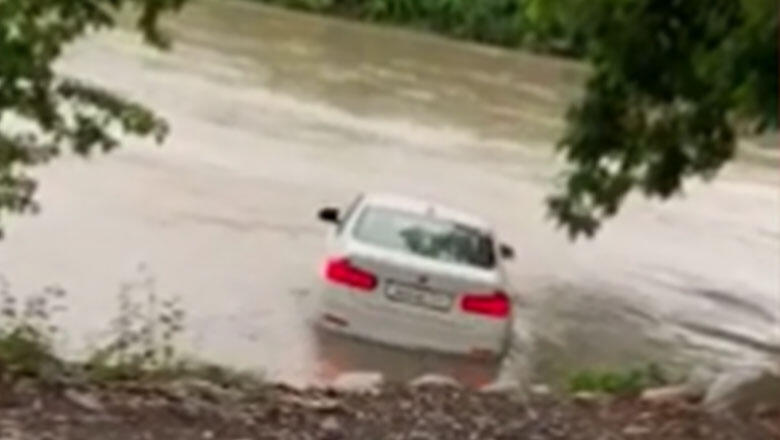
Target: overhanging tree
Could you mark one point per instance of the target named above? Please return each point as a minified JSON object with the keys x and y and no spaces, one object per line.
{"x":43,"y":113}
{"x":674,"y":82}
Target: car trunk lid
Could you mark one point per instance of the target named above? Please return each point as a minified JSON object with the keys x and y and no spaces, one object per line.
{"x":395,"y":268}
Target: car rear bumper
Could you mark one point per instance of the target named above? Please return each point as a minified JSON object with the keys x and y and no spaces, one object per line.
{"x":360,"y":315}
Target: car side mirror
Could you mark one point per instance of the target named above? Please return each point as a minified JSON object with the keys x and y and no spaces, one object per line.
{"x":506,"y":251}
{"x":329,"y":215}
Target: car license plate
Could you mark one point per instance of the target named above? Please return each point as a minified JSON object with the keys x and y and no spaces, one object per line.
{"x":419,"y":297}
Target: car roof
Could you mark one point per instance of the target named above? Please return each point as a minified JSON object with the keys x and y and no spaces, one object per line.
{"x":424,"y":207}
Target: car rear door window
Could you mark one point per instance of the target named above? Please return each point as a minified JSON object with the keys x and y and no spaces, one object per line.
{"x":426,"y":236}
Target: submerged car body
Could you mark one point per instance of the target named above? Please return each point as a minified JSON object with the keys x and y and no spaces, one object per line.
{"x":415,"y":274}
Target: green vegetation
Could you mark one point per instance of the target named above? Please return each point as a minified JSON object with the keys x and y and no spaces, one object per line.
{"x":508,"y":23}
{"x":673,"y":86}
{"x":42,"y":112}
{"x":141,"y":343}
{"x":27,"y":334}
{"x":625,"y":382}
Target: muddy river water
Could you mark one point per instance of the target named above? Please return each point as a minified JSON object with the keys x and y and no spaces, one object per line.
{"x":275,"y":114}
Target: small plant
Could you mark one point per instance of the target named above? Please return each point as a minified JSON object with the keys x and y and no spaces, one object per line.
{"x":139,"y":345}
{"x":627,"y":382}
{"x":141,"y":340}
{"x":27,"y":333}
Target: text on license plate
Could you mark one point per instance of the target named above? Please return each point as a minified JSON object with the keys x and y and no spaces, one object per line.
{"x":420,"y":297}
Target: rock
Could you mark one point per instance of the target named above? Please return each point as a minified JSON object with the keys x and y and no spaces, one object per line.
{"x":10,"y":430}
{"x":192,"y":387}
{"x":694,"y":388}
{"x":700,"y":379}
{"x":189,"y":409}
{"x":314,"y":403}
{"x":434,"y":380}
{"x":358,"y":382}
{"x":25,"y":387}
{"x":330,"y":424}
{"x":421,"y":435}
{"x":741,"y":390}
{"x":587,"y":397}
{"x":84,"y":400}
{"x":636,"y":430}
{"x":60,"y":418}
{"x":331,"y":429}
{"x":540,"y":389}
{"x":669,"y":393}
{"x":503,"y":387}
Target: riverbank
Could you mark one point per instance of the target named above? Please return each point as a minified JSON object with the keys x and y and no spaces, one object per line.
{"x":504,"y":23}
{"x":137,"y":386}
{"x":199,"y":409}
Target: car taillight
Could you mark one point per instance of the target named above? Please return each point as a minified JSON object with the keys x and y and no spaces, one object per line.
{"x":341,"y":271}
{"x":496,"y":305}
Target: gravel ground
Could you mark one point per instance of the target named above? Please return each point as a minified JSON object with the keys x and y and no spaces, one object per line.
{"x":201,"y":410}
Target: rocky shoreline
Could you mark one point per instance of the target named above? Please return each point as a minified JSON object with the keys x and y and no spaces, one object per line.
{"x":355,"y":408}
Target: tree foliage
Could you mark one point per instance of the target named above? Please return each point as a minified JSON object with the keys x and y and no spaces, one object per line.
{"x":674,"y":82}
{"x":508,"y":23}
{"x":43,"y":113}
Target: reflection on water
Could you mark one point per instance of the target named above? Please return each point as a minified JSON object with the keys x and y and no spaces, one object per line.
{"x":337,"y":354}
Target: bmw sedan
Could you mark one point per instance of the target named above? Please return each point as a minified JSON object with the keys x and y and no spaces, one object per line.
{"x":416,"y":274}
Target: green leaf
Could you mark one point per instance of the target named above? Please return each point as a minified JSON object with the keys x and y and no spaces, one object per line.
{"x":57,"y":112}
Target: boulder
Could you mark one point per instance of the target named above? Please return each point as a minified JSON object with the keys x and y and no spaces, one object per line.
{"x":84,"y":400}
{"x":635,"y":430}
{"x":434,"y":380}
{"x":540,"y":389}
{"x":669,"y":393}
{"x":331,"y":429}
{"x":502,"y":387}
{"x":588,"y":397}
{"x":693,"y":389}
{"x":360,"y":382}
{"x":700,"y":379}
{"x":319,"y":404}
{"x":743,"y":389}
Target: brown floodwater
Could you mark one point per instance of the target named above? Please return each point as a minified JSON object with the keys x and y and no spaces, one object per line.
{"x":275,"y":114}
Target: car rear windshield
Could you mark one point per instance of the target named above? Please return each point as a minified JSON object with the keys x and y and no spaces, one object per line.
{"x":425,"y":236}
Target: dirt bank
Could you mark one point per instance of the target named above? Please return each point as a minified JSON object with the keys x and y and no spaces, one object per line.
{"x":195,"y":409}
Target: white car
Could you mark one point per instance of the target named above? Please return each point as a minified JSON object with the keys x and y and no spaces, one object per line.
{"x":415,"y":274}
